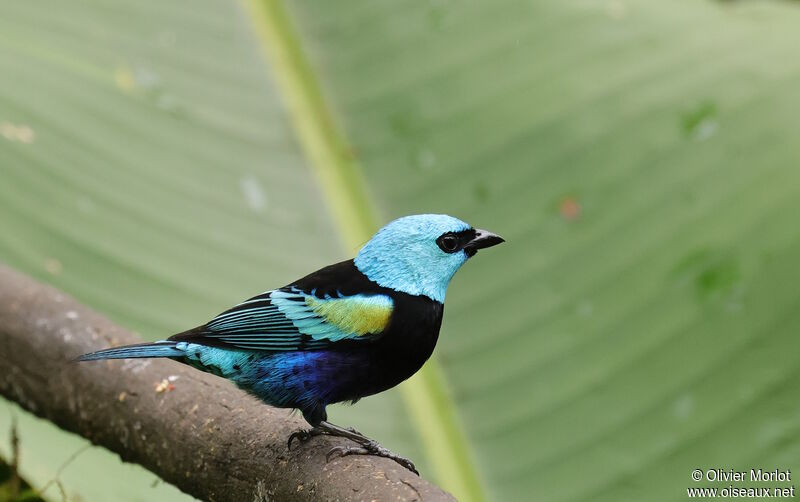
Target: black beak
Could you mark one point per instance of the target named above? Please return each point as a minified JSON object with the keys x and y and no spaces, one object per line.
{"x":482,"y":239}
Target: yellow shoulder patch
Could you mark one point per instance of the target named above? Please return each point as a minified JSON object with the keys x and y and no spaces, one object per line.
{"x":358,"y":315}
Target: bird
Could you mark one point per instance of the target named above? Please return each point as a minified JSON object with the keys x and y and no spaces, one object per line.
{"x":347,"y":331}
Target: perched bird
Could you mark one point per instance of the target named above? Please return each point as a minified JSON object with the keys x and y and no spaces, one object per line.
{"x":346,"y":331}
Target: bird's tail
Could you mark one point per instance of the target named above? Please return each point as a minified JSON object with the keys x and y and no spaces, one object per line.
{"x":163,"y":348}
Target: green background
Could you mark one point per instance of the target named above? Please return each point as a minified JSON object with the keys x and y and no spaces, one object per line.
{"x":639,"y":157}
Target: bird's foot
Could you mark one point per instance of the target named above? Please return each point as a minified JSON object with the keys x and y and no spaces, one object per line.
{"x":366,"y":446}
{"x":371,"y":447}
{"x":304,"y":435}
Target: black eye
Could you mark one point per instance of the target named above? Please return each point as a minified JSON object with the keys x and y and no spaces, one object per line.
{"x":448,"y":243}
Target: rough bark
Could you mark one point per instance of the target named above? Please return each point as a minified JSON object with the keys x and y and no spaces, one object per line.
{"x":199,"y":433}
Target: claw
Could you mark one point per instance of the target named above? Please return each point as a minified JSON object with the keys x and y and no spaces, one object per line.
{"x":407,"y":464}
{"x":376,"y":449}
{"x":302,"y":435}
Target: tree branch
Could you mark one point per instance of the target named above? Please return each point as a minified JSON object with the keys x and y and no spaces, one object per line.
{"x":197,"y":431}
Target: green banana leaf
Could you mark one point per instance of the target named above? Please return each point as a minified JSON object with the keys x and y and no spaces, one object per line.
{"x":160,"y":161}
{"x":148,"y":168}
{"x":641,"y":160}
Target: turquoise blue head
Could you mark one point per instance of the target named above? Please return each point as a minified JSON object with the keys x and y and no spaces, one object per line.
{"x":419,"y":254}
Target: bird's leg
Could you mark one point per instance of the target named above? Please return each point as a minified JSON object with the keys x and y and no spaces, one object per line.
{"x":366,"y":446}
